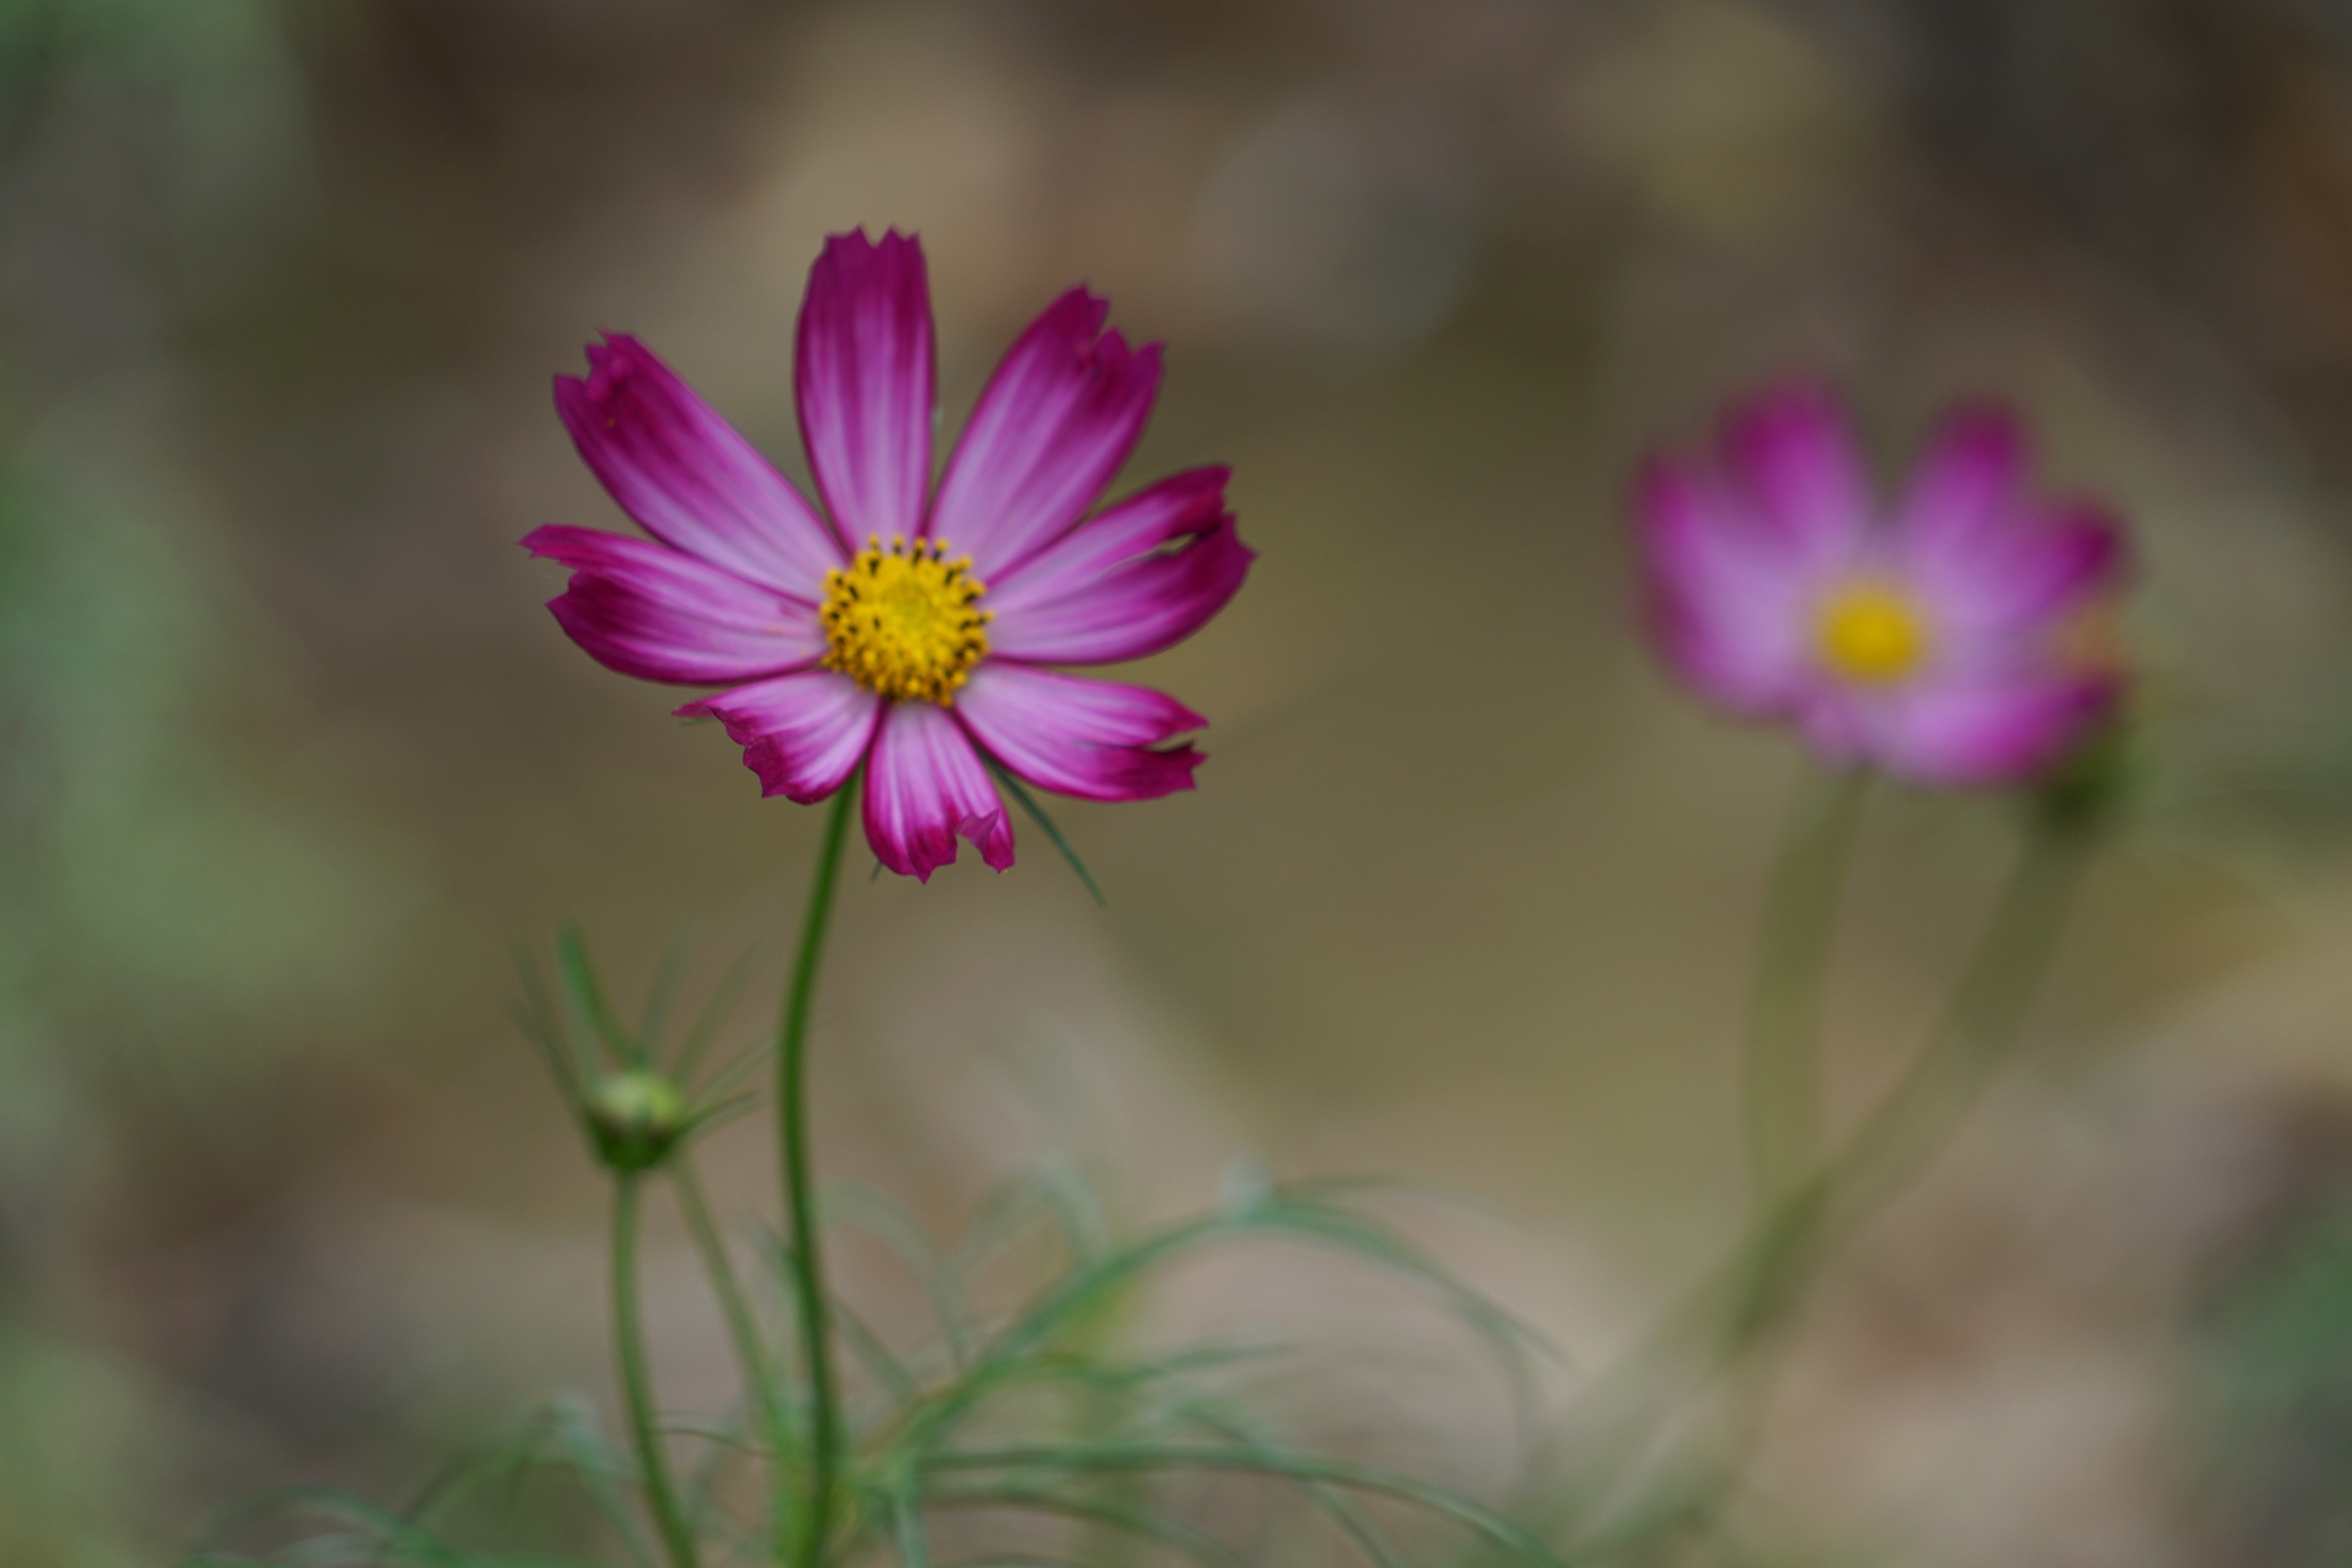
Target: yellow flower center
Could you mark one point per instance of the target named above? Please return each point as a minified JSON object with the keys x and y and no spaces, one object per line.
{"x":1870,"y":631}
{"x":900,"y":621}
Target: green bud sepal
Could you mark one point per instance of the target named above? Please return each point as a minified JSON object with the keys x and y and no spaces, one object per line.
{"x":635,"y":1110}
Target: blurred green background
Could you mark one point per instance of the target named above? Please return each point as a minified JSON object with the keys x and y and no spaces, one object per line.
{"x":290,"y":755}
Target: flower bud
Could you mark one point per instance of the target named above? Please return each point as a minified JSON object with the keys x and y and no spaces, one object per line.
{"x":636,"y":1117}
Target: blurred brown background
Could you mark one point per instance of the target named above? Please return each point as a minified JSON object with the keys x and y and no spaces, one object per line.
{"x":289,"y":755}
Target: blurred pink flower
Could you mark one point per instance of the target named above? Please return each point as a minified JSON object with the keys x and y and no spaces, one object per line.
{"x":1961,"y":637}
{"x":904,"y":630}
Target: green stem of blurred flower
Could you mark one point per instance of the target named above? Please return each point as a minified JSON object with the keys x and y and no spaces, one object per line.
{"x":759,"y":1376}
{"x":799,"y":1194}
{"x":1986,"y":1015}
{"x":1718,"y":1330}
{"x":1781,"y":1065}
{"x":1913,"y":1119}
{"x":637,"y":1383}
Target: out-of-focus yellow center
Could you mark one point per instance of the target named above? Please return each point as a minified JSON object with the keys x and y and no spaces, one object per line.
{"x":901,"y":621}
{"x":1870,"y":631}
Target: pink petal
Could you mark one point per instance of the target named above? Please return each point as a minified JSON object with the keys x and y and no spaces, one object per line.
{"x":1079,"y":737}
{"x":2014,"y":581}
{"x":865,"y":380}
{"x":1980,"y":733}
{"x":659,"y":613}
{"x":1114,"y":588}
{"x":1839,"y":724}
{"x":1727,"y":601}
{"x":1963,"y":487}
{"x":1182,"y":504}
{"x":802,"y":734}
{"x":924,"y":786}
{"x":2076,"y":553}
{"x":1058,"y":418}
{"x":1794,"y":453}
{"x":686,"y":476}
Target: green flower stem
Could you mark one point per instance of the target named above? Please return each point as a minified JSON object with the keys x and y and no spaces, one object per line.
{"x":637,"y":1382}
{"x":1981,"y":1028}
{"x":1718,"y":1328}
{"x":1913,"y":1120}
{"x":1782,"y":1059}
{"x":800,"y":1190}
{"x":759,"y":1376}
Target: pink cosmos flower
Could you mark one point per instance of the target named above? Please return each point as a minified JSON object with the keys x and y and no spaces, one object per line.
{"x":908,"y":630}
{"x":1959,"y":636}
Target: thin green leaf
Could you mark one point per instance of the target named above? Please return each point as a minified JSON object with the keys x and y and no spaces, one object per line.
{"x":1342,"y":1188}
{"x":1088,"y":1285}
{"x":1352,"y":1521}
{"x":573,"y":1425}
{"x":1275,"y":1214}
{"x":567,"y":1083}
{"x":1007,"y":1210}
{"x":1506,"y":1339}
{"x":534,"y":988}
{"x":1205,"y":1550}
{"x":1514,"y":1345}
{"x":883,"y":1367}
{"x":732,"y":1438}
{"x":714,"y":1015}
{"x":562,"y":1039}
{"x":1019,"y":792}
{"x":728,"y":1079}
{"x":1133,"y":1379}
{"x":668,"y":975}
{"x":712,"y":1117}
{"x":1333,"y":1190}
{"x":761,"y":1387}
{"x":868,"y":1346}
{"x":1055,"y":1192}
{"x":1085,"y":1232}
{"x":526,"y":1456}
{"x":1115,"y":1458}
{"x":374,"y":1532}
{"x":1110,"y":1374}
{"x":728,"y":1451}
{"x":585,"y":994}
{"x":509,"y":1459}
{"x":1097,"y":1374}
{"x":907,"y":1525}
{"x":1032,"y":1329}
{"x":854,"y":1203}
{"x":1688,"y":1505}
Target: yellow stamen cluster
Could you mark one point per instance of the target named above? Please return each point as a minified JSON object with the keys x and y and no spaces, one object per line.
{"x":900,"y":621}
{"x":1870,"y":631}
